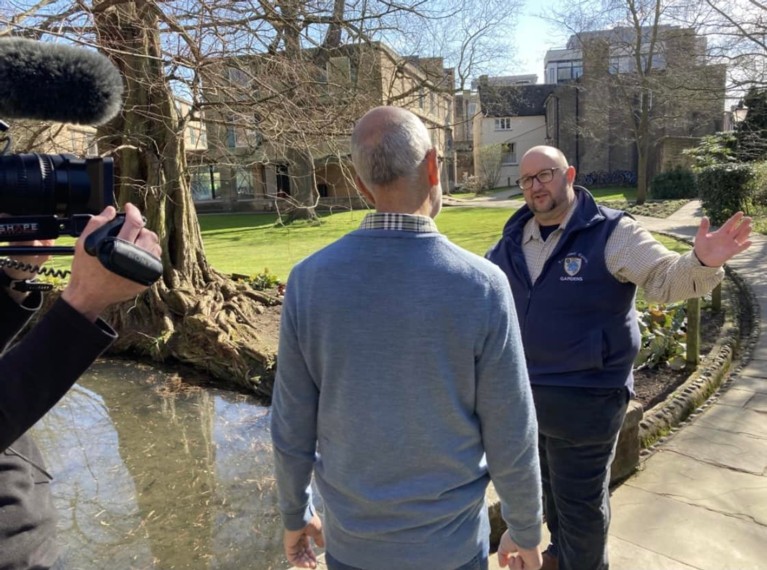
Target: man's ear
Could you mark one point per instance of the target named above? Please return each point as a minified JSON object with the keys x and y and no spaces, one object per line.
{"x":570,"y":174}
{"x":364,"y":190}
{"x":432,"y":167}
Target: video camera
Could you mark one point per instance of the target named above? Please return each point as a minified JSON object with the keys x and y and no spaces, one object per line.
{"x":46,"y":195}
{"x":43,"y":196}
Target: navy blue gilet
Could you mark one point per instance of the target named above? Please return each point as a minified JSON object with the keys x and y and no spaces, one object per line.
{"x":579,"y":325}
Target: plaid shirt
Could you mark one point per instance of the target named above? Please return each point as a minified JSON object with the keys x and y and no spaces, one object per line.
{"x":400,"y":222}
{"x":633,"y":255}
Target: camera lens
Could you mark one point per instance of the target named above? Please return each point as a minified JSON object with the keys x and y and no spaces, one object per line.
{"x":54,"y":184}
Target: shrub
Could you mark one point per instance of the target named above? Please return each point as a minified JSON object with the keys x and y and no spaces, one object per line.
{"x":673,"y":185}
{"x":604,"y":178}
{"x":477,"y":184}
{"x":260,"y":281}
{"x":663,"y":329}
{"x":726,"y":189}
{"x":718,"y":148}
{"x":759,"y":184}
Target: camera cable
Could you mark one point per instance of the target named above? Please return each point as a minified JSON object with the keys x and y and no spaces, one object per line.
{"x":27,"y":285}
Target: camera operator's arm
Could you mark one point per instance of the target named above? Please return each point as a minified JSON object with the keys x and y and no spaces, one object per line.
{"x":40,"y":369}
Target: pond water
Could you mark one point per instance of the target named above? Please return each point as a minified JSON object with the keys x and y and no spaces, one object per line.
{"x":151,"y":476}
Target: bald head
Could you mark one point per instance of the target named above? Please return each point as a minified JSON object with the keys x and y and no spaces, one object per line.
{"x":550,"y":200}
{"x":388,"y":143}
{"x":550,"y":154}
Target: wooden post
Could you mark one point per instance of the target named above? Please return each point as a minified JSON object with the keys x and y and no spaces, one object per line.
{"x":716,"y":298}
{"x":693,"y":332}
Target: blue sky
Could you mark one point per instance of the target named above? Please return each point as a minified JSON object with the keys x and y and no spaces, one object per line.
{"x":533,"y":37}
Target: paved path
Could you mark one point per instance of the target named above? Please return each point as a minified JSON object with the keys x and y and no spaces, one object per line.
{"x":700,"y":500}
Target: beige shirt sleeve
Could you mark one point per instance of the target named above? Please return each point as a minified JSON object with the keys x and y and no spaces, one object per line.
{"x":633,"y":255}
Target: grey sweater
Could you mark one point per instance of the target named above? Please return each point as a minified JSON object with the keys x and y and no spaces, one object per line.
{"x":401,"y":384}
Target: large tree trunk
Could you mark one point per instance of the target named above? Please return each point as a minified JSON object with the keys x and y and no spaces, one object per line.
{"x":303,"y":184}
{"x":193,"y":314}
{"x":643,"y":150}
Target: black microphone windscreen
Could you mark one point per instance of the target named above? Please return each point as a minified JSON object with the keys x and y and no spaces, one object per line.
{"x":51,"y":82}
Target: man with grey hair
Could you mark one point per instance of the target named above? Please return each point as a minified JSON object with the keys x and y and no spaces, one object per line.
{"x":401,"y":383}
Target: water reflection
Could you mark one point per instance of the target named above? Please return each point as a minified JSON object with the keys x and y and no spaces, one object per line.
{"x":143,"y":479}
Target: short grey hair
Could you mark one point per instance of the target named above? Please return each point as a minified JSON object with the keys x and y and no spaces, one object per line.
{"x":394,"y":150}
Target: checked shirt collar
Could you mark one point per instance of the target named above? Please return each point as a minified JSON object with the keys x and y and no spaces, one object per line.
{"x":400,"y":222}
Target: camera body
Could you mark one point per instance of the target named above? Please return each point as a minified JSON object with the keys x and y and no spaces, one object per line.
{"x":44,"y":195}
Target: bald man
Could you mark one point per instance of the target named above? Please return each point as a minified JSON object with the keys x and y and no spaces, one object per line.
{"x":574,"y":267}
{"x":401,"y":383}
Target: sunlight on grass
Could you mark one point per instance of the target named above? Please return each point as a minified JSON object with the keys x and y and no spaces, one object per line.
{"x":614,"y":193}
{"x":250,"y":243}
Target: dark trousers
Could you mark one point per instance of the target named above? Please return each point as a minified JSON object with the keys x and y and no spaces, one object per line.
{"x":578,"y":430}
{"x":479,"y":562}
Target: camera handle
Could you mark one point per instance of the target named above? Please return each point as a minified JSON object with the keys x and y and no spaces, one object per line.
{"x":117,"y":255}
{"x":121,"y":257}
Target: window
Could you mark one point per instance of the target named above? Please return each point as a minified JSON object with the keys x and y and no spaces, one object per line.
{"x":503,"y":124}
{"x":283,"y":179}
{"x":205,"y":182}
{"x":243,"y":183}
{"x":243,"y":136}
{"x":658,"y":61}
{"x":552,"y":74}
{"x":509,"y":153}
{"x":568,"y":71}
{"x":621,"y":64}
{"x":197,"y":136}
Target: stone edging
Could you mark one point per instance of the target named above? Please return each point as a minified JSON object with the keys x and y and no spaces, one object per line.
{"x":737,"y":338}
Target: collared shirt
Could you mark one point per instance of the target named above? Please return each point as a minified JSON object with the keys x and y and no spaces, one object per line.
{"x":401,"y":222}
{"x":633,"y":255}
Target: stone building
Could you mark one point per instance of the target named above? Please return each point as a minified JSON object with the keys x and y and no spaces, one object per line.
{"x":593,"y":113}
{"x":279,"y":131}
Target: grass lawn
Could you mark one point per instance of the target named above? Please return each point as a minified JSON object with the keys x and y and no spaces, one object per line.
{"x":759,"y":214}
{"x":251,"y":243}
{"x":473,"y":195}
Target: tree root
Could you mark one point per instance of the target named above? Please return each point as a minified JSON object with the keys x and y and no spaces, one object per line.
{"x":226,"y":330}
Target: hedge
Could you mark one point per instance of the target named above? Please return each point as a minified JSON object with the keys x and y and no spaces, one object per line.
{"x":726,"y":189}
{"x":673,"y":185}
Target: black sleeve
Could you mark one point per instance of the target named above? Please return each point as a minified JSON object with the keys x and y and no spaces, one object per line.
{"x":13,"y":316}
{"x":38,"y":371}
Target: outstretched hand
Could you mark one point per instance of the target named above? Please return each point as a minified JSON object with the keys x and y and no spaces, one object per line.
{"x":298,"y":544}
{"x":716,"y":248}
{"x":515,"y":558}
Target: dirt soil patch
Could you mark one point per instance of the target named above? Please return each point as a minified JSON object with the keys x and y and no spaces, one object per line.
{"x":652,"y":386}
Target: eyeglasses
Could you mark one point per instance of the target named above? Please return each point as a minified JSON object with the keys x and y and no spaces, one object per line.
{"x":543,"y":176}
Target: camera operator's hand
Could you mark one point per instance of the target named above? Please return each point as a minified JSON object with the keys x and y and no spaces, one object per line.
{"x":92,"y":287}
